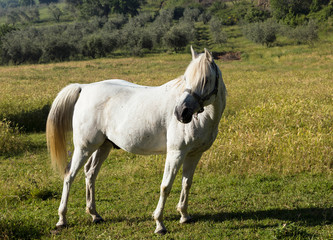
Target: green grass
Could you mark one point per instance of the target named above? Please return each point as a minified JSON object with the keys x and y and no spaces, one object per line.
{"x":237,"y":207}
{"x":267,"y":176}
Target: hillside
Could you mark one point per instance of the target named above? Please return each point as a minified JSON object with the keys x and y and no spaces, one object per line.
{"x":56,"y":32}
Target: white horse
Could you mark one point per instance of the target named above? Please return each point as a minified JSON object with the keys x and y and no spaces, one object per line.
{"x":179,"y":118}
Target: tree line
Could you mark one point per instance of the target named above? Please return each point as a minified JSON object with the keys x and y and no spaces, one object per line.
{"x":106,"y":27}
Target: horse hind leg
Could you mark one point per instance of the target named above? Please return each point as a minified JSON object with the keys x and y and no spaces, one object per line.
{"x":91,"y":169}
{"x":79,"y":158}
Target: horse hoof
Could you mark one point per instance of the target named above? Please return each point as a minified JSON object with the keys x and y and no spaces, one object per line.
{"x":186,"y":220}
{"x":98,"y":220}
{"x":161,"y":232}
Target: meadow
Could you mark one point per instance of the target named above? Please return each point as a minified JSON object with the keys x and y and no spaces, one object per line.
{"x":267,"y":176}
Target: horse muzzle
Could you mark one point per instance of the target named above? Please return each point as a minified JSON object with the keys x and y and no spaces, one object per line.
{"x":184,"y":114}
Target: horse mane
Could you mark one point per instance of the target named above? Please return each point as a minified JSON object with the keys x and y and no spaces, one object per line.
{"x":197,"y":72}
{"x":178,"y":83}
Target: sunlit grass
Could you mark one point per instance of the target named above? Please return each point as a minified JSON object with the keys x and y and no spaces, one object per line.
{"x":267,"y":176}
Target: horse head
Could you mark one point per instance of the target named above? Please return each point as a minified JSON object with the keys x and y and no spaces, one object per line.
{"x":202,"y":78}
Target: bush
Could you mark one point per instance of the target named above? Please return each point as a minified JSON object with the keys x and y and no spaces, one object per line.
{"x":21,"y":46}
{"x":255,"y":14}
{"x":323,"y":14}
{"x":218,"y":35}
{"x":57,"y":48}
{"x":23,"y":15}
{"x":4,"y":29}
{"x":306,"y":33}
{"x":191,"y":14}
{"x":115,"y":22}
{"x":231,"y":15}
{"x":294,"y":20}
{"x":99,"y":45}
{"x":160,"y":26}
{"x":297,"y":12}
{"x":11,"y":141}
{"x":142,"y":19}
{"x":93,"y":46}
{"x":281,"y":8}
{"x":135,"y":37}
{"x":204,"y":17}
{"x":217,"y":6}
{"x":179,"y":36}
{"x":45,"y":44}
{"x":261,"y":32}
{"x":55,"y":12}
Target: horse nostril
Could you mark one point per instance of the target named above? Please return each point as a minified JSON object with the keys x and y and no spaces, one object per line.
{"x":186,"y":115}
{"x":185,"y":112}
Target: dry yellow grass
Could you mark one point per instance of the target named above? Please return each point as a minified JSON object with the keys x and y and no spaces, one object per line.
{"x":279,"y":109}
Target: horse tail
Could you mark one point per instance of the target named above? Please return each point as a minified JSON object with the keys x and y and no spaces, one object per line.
{"x":59,"y":122}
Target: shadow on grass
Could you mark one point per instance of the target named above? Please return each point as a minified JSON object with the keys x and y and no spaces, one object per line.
{"x":306,"y":216}
{"x":20,"y":229}
{"x":31,"y":121}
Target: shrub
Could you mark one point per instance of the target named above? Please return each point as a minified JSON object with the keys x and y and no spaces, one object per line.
{"x":306,"y":33}
{"x":160,"y":26}
{"x":118,"y":20}
{"x":255,"y":14}
{"x":204,"y":17}
{"x":146,"y":41}
{"x":294,"y":20}
{"x":191,"y":14}
{"x":142,"y":19}
{"x":323,"y":14}
{"x":217,"y":6}
{"x":21,"y":46}
{"x":218,"y":35}
{"x":11,"y":141}
{"x":99,"y":45}
{"x":62,"y":42}
{"x":281,"y":8}
{"x":55,"y":12}
{"x":135,"y":37}
{"x":93,"y":46}
{"x":179,"y":36}
{"x":231,"y":15}
{"x":4,"y":29}
{"x":45,"y":44}
{"x":57,"y":48}
{"x":13,"y":17}
{"x":261,"y":32}
{"x":23,"y":15}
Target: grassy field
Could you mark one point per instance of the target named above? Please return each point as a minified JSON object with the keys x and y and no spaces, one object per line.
{"x":267,"y":176}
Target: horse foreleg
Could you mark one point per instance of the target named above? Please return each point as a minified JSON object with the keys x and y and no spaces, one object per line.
{"x":189,"y":166}
{"x":79,"y":157}
{"x":172,"y":164}
{"x":91,"y":169}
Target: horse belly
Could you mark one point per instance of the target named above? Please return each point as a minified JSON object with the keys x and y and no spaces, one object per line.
{"x":137,"y":132}
{"x":146,"y":144}
{"x":137,"y":141}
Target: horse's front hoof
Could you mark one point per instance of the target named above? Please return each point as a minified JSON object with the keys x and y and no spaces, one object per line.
{"x":185,"y":220}
{"x":161,"y":232}
{"x":98,"y":220}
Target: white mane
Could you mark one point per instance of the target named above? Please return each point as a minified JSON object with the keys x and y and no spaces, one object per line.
{"x":198,"y":72}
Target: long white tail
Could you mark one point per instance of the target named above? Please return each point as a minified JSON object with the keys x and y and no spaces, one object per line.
{"x":59,"y":122}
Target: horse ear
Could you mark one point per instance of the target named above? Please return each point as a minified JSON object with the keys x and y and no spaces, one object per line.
{"x":194,"y":54}
{"x":208,"y":55}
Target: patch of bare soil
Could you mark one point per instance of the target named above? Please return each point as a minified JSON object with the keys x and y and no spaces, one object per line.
{"x":227,"y":56}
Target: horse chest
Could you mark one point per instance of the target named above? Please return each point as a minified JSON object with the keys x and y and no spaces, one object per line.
{"x":202,"y":139}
